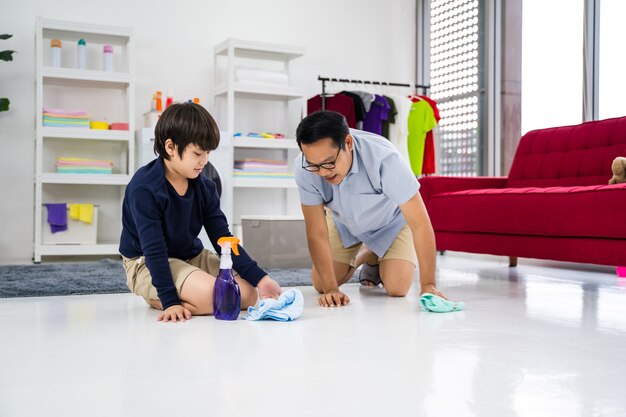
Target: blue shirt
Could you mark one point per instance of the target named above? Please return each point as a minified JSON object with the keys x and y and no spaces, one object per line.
{"x":158,"y":223}
{"x":365,"y":205}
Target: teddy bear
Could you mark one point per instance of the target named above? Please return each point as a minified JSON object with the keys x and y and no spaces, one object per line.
{"x":619,"y":170}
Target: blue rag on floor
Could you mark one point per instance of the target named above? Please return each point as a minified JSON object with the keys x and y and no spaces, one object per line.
{"x":57,"y":217}
{"x":434,"y":303}
{"x":287,"y":307}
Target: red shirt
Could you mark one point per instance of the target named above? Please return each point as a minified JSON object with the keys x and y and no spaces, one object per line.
{"x":338,"y":103}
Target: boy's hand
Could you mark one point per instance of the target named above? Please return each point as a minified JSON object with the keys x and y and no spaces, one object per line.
{"x":175,"y":312}
{"x":333,"y":298}
{"x":268,"y":288}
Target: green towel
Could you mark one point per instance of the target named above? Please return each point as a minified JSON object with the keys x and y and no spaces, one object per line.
{"x":434,"y":303}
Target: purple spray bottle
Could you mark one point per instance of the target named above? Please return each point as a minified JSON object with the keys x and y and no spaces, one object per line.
{"x":226,"y":294}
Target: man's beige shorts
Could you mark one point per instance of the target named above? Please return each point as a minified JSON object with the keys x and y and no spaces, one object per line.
{"x":401,"y":248}
{"x":139,"y":280}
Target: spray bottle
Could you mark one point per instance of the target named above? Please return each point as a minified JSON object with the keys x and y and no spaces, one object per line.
{"x":226,"y":294}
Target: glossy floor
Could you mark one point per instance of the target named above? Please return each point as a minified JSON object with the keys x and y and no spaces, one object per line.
{"x":534,"y":341}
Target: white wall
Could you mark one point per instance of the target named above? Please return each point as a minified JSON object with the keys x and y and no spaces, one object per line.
{"x":366,"y":39}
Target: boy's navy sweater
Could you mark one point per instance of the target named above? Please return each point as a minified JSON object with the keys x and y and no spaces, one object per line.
{"x":158,"y":223}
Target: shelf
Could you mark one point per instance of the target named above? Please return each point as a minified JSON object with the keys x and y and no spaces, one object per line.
{"x":247,"y":142}
{"x":86,"y":134}
{"x":264,"y":183}
{"x":98,"y":249}
{"x":263,"y":90}
{"x":259,"y":50}
{"x":115,"y":79}
{"x":87,"y":179}
{"x":83,"y":28}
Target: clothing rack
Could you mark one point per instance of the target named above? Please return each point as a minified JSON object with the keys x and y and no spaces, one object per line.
{"x":324,"y":80}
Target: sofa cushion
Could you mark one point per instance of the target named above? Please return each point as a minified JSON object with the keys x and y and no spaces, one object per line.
{"x":551,"y":211}
{"x":569,"y":155}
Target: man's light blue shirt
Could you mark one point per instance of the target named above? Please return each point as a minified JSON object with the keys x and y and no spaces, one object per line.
{"x":365,"y":205}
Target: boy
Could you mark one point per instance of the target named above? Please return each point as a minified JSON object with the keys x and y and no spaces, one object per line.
{"x":165,"y":206}
{"x":354,"y":189}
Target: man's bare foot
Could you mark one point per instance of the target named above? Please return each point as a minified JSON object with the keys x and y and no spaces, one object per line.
{"x":370,"y":275}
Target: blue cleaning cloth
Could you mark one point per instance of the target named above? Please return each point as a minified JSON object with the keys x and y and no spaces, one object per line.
{"x":287,"y":307}
{"x":57,"y":217}
{"x":434,"y":303}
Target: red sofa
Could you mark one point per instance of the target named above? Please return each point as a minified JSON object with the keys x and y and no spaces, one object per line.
{"x":555,"y":203}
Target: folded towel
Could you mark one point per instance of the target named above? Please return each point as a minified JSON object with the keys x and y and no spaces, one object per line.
{"x":287,"y":307}
{"x":77,"y":160}
{"x":66,"y":120}
{"x":436,"y":304}
{"x":57,"y":217}
{"x":65,"y":116}
{"x":84,"y":170}
{"x":65,"y":112}
{"x":73,"y":125}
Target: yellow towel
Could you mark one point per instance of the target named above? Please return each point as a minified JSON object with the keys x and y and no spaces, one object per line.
{"x":82,"y":212}
{"x":74,"y":211}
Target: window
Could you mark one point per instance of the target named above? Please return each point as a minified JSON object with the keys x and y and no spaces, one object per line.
{"x":612,"y":93}
{"x":454,"y":64}
{"x":552,"y":63}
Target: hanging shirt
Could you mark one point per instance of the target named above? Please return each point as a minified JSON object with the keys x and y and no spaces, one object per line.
{"x":365,"y":205}
{"x":429,"y":166}
{"x":399,"y":131}
{"x":368,"y":98}
{"x":421,"y":120}
{"x":359,"y":107}
{"x":379,"y":111}
{"x":338,"y":103}
{"x":391,"y":116}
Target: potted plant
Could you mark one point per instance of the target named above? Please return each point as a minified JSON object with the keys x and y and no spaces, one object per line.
{"x":5,"y":56}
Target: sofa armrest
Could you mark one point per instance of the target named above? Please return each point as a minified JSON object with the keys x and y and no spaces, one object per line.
{"x":430,"y":186}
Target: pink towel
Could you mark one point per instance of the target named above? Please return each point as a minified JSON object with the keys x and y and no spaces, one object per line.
{"x":65,"y":113}
{"x":85,"y":163}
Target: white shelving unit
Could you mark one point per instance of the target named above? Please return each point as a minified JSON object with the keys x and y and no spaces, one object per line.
{"x":107,"y":96}
{"x":259,"y":107}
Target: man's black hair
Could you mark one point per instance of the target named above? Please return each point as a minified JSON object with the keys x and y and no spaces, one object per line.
{"x":186,"y":123}
{"x":321,"y":125}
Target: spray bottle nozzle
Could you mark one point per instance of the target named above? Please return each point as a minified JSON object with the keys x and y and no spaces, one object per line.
{"x":231,"y":242}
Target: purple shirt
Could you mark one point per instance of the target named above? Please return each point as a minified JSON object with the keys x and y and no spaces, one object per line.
{"x":378,"y":113}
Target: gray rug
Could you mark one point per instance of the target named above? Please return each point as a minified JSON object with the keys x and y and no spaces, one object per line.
{"x":102,"y":277}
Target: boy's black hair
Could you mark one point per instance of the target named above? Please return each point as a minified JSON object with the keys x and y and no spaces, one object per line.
{"x":186,"y":123}
{"x":320,"y":125}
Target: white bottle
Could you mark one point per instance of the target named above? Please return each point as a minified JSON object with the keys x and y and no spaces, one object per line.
{"x":81,"y":57}
{"x":107,"y":58}
{"x":55,"y":53}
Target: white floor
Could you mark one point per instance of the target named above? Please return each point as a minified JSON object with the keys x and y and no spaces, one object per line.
{"x":534,"y":341}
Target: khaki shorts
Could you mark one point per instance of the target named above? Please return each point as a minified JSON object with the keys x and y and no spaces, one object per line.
{"x":139,"y":280}
{"x":401,"y":248}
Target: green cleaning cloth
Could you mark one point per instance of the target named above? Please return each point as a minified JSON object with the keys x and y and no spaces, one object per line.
{"x":436,"y":304}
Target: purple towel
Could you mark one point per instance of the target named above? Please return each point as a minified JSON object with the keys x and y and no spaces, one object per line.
{"x":57,"y":217}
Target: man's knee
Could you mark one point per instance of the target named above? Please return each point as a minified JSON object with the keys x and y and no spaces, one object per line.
{"x":397,"y":292}
{"x":399,"y":286}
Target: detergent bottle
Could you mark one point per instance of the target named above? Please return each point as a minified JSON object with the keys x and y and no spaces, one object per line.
{"x":226,"y":294}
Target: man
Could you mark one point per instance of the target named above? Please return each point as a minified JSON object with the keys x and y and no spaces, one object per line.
{"x":356,"y":189}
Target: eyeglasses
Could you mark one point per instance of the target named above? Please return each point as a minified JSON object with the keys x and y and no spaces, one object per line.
{"x":325,"y":165}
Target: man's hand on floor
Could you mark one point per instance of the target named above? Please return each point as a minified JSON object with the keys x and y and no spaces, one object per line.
{"x":333,"y":298}
{"x":430,"y":288}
